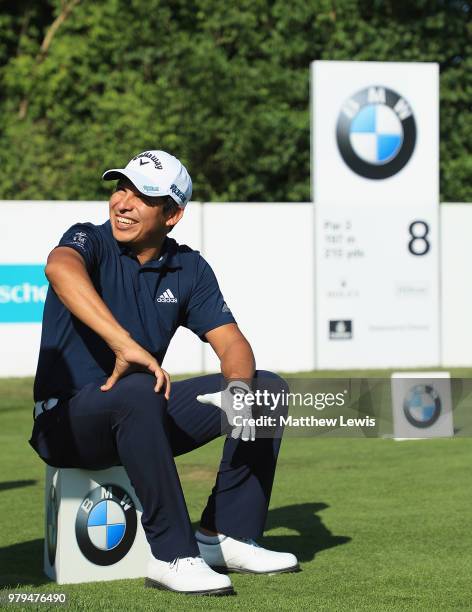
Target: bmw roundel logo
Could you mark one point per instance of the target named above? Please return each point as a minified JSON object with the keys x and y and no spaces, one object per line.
{"x":51,"y":528}
{"x":376,"y":132}
{"x":106,"y":524}
{"x":422,"y":406}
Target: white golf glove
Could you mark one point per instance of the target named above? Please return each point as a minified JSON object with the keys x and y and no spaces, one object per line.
{"x":231,"y":402}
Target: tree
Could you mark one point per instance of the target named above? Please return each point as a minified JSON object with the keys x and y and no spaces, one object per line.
{"x":225,"y":86}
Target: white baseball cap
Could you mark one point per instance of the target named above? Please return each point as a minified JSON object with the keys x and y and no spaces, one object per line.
{"x":156,"y":173}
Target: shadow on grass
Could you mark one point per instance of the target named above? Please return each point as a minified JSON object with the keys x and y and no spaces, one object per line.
{"x":22,"y":564}
{"x":312,"y":537}
{"x":16,"y":484}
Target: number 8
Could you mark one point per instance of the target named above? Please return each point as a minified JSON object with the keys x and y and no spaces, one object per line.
{"x":418,"y":235}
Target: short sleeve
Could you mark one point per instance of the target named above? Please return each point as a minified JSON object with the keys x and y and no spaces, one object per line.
{"x":206,"y":308}
{"x":83,"y":238}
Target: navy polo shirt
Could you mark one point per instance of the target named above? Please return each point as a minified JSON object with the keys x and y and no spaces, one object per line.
{"x":150,"y":301}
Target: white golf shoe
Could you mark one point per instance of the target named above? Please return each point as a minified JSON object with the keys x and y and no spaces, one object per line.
{"x":245,"y":556}
{"x":190,"y":575}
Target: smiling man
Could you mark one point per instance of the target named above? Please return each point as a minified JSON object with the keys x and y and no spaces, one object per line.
{"x":117,"y":294}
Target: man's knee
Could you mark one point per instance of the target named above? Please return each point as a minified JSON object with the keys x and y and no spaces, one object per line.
{"x":277,"y":389}
{"x":271,"y":381}
{"x":137,"y":398}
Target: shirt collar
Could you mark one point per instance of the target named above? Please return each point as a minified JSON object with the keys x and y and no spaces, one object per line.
{"x":169,"y":256}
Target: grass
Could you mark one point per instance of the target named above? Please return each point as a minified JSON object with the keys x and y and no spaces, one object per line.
{"x":376,"y":524}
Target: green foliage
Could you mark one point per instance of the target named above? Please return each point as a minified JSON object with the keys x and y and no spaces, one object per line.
{"x":225,"y":86}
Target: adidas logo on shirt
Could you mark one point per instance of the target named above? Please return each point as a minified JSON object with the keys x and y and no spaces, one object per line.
{"x":167,"y":296}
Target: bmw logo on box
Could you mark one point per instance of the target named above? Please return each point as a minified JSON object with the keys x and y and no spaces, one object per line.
{"x":106,"y":524}
{"x":376,"y":132}
{"x":422,"y":406}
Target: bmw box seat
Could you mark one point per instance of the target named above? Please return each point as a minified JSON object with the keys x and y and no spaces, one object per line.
{"x":93,"y":528}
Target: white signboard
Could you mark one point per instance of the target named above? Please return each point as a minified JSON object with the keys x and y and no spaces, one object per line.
{"x":375,"y":181}
{"x":376,"y":278}
{"x":375,"y":133}
{"x":422,"y":405}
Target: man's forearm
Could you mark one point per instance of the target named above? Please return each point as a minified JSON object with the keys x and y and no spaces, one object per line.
{"x":70,"y":280}
{"x":237,"y":362}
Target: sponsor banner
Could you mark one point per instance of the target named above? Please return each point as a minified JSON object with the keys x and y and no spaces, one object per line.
{"x":376,"y":286}
{"x":422,"y":405}
{"x":23,"y":290}
{"x":375,"y":132}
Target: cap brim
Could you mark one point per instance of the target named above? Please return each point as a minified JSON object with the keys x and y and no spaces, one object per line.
{"x":139,"y":181}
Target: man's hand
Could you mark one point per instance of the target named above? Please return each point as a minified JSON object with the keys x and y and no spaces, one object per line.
{"x":131,"y":357}
{"x":231,"y":402}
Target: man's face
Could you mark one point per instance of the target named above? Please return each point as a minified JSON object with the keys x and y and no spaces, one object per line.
{"x":134,"y":217}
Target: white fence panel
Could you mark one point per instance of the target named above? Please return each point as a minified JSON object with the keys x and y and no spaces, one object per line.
{"x":456,"y":284}
{"x":262,"y":255}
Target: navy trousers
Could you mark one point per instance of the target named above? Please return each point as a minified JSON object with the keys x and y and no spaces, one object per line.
{"x":133,"y":426}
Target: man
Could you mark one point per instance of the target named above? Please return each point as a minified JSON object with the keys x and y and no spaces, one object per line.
{"x":117,"y":294}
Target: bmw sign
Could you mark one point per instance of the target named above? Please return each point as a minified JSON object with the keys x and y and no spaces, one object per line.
{"x":376,"y":132}
{"x":422,"y":406}
{"x":106,"y":524}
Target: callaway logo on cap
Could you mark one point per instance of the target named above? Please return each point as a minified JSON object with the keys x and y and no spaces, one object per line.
{"x":156,"y":173}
